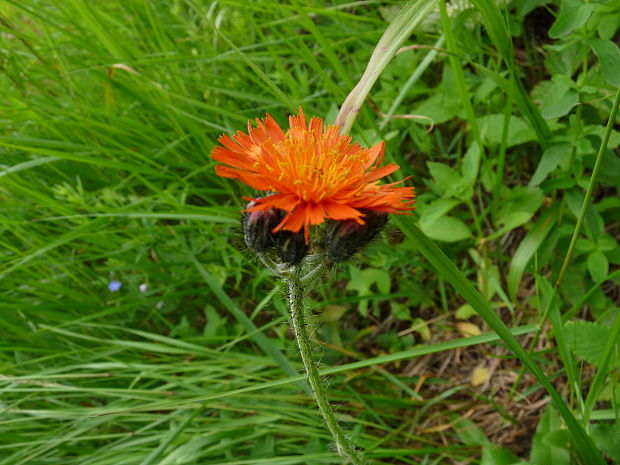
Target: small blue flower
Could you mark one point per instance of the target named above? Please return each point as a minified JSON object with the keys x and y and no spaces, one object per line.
{"x":114,"y":285}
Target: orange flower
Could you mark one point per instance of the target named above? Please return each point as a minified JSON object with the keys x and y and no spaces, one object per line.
{"x":312,"y":173}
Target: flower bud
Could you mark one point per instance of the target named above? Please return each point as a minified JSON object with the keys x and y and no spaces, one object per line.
{"x":344,"y":238}
{"x":258,"y":226}
{"x":292,"y":247}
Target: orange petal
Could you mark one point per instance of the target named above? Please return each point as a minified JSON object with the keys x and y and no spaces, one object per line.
{"x":381,"y":172}
{"x":274,"y":129}
{"x":255,"y":180}
{"x":375,"y":153}
{"x":233,"y":159}
{"x":286,"y":202}
{"x":315,"y":213}
{"x":338,"y":211}
{"x":294,"y":220}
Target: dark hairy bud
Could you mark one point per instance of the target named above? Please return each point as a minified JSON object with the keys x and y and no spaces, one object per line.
{"x":292,"y":247}
{"x":344,"y":238}
{"x":258,"y":226}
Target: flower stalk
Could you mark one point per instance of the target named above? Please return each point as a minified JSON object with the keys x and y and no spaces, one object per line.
{"x":298,"y":320}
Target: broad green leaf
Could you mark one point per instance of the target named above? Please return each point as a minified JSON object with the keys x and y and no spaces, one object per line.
{"x":607,"y":243}
{"x":438,"y":108}
{"x":422,"y":328}
{"x":333,"y":312}
{"x":400,"y":311}
{"x":598,"y":265}
{"x":362,"y":281}
{"x":573,"y":14}
{"x":595,"y":225}
{"x":587,"y":340}
{"x":558,"y":100}
{"x":494,"y":455}
{"x":447,"y":229}
{"x":380,"y":277}
{"x":609,"y":57}
{"x":469,"y":433}
{"x":519,"y":132}
{"x":549,"y":161}
{"x":434,"y":210}
{"x":448,"y":181}
{"x":464,"y":312}
{"x":606,"y":436}
{"x":518,"y":207}
{"x":546,"y":451}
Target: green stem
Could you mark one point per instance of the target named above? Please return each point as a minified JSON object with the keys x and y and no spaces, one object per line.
{"x":295,"y":293}
{"x":593,"y":177}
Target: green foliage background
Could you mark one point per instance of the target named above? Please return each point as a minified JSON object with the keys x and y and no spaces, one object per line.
{"x":109,"y":112}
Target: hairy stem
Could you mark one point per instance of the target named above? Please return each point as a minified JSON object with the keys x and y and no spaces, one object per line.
{"x":298,"y":318}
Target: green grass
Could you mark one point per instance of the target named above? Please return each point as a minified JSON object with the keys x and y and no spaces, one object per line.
{"x":109,"y":113}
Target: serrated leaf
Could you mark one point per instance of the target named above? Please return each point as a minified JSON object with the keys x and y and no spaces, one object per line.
{"x":449,"y":182}
{"x":573,"y":14}
{"x":587,"y":340}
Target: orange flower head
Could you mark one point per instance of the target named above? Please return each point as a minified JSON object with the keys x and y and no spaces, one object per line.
{"x":311,"y":172}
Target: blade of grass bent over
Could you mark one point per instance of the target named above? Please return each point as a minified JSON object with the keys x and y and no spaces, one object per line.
{"x":396,"y":33}
{"x":585,"y":446}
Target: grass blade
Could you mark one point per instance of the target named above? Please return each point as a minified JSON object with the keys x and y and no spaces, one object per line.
{"x":528,"y":247}
{"x":500,"y":35}
{"x":461,"y":284}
